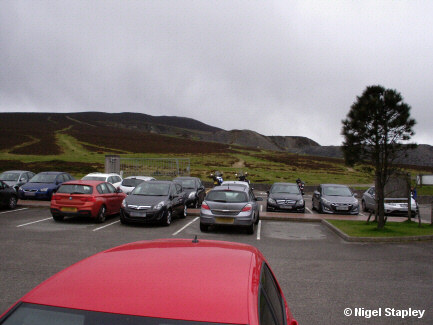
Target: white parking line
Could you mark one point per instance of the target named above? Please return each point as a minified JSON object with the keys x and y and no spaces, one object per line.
{"x":309,"y":210}
{"x":110,"y":224}
{"x":29,"y":223}
{"x":362,"y":214}
{"x":13,"y":210}
{"x":261,"y":208}
{"x":189,"y":223}
{"x":258,"y":229}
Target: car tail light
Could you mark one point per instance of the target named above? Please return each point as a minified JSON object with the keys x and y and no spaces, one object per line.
{"x":88,"y":199}
{"x":205,"y":206}
{"x":248,"y":207}
{"x":55,"y":197}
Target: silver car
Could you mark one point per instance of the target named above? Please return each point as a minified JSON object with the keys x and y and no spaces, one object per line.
{"x":335,"y":198}
{"x":230,"y":205}
{"x":393,"y":206}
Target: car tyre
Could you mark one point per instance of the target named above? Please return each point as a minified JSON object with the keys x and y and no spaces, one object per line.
{"x":123,"y":220}
{"x":203,"y":227}
{"x":184,"y":212}
{"x":258,"y":219}
{"x":58,"y":217}
{"x":166,"y":219}
{"x":364,"y":208}
{"x":12,"y":202}
{"x":100,"y":218}
{"x":320,"y":208}
{"x":250,"y":229}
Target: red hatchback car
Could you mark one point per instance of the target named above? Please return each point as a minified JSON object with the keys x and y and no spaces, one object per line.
{"x":94,"y":199}
{"x":159,"y":282}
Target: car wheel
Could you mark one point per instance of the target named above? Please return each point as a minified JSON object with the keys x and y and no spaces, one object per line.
{"x":302,"y":211}
{"x":166,"y":220}
{"x":58,"y":217}
{"x":320,"y":208}
{"x":12,"y":202}
{"x":258,"y":218}
{"x":312,"y":206}
{"x":123,"y":220}
{"x":203,"y":227}
{"x":250,"y":229}
{"x":184,"y":212}
{"x":100,"y":218}
{"x":364,"y":208}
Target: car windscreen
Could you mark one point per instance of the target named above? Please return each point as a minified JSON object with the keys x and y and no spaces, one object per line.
{"x":337,"y":191}
{"x":30,"y":314}
{"x":151,"y":189}
{"x":11,"y":177}
{"x":131,"y":182}
{"x":285,"y":188}
{"x":227,"y":196}
{"x":75,"y":189}
{"x":186,"y":183}
{"x":94,"y":178}
{"x":43,"y":178}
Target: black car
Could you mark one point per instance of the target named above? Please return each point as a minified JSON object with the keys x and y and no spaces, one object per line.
{"x":286,"y":197}
{"x":154,"y":202}
{"x":194,"y":190}
{"x":8,"y":196}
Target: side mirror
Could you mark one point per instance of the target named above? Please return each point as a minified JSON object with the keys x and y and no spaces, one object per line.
{"x":355,"y":194}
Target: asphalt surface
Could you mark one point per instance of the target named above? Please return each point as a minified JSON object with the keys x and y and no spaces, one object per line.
{"x":321,"y":275}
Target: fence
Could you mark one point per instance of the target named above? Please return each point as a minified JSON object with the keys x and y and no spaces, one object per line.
{"x":156,"y":167}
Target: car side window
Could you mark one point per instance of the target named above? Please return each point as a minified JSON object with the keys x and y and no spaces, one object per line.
{"x":110,"y":188}
{"x":60,"y":178}
{"x":24,"y":178}
{"x":172,"y":191}
{"x":178,"y":188}
{"x":102,"y":188}
{"x":270,"y":300}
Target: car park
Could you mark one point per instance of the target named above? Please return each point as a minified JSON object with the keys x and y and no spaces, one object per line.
{"x":285,"y":197}
{"x":226,"y":283}
{"x":335,"y":198}
{"x":94,"y":199}
{"x":154,"y":202}
{"x":194,"y":190}
{"x":8,"y":196}
{"x":112,"y":178}
{"x":230,"y":205}
{"x":393,"y":206}
{"x":16,"y":178}
{"x":43,"y":185}
{"x":130,"y":182}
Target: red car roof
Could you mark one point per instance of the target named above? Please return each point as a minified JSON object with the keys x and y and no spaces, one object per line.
{"x":206,"y":281}
{"x":84,"y":182}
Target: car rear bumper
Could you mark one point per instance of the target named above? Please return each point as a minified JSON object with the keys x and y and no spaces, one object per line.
{"x":226,"y":220}
{"x":78,"y":213}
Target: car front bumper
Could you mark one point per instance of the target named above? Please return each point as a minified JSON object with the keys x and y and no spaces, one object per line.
{"x":142,"y":216}
{"x":338,"y":208}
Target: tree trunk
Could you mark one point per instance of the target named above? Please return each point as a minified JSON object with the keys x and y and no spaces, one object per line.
{"x":380,"y":197}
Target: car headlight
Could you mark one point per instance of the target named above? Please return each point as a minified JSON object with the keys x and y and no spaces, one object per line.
{"x":325,"y":201}
{"x":191,"y":195}
{"x":123,"y":204}
{"x":301,"y":202}
{"x":271,"y":201}
{"x":159,"y":205}
{"x":44,"y":189}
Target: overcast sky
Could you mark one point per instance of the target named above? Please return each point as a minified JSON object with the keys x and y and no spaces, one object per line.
{"x":275,"y":67}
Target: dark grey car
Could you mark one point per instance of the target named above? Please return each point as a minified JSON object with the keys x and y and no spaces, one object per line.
{"x":335,"y":198}
{"x":230,"y":205}
{"x":154,"y":202}
{"x":16,"y":178}
{"x":194,"y":190}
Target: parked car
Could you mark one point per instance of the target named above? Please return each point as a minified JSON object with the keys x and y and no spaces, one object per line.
{"x":230,"y":205}
{"x":239,"y":183}
{"x":335,"y":198}
{"x":393,"y":206}
{"x":8,"y":196}
{"x":112,"y":178}
{"x":286,"y":197}
{"x":16,"y":178}
{"x":145,"y":283}
{"x":154,"y":202}
{"x":80,"y":198}
{"x":194,"y":190}
{"x":43,"y":185}
{"x":130,"y":182}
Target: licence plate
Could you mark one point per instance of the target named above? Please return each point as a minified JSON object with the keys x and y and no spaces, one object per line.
{"x":29,"y":193}
{"x":225,"y":220}
{"x":68,"y":209}
{"x":342,"y":208}
{"x":288,"y":207}
{"x":138,"y":214}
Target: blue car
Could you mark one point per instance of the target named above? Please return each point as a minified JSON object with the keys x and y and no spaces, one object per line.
{"x":43,"y":185}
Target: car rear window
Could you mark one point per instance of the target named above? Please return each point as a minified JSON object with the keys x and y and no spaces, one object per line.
{"x":131,"y":182}
{"x":75,"y":189}
{"x":30,"y":314}
{"x":94,"y":178}
{"x":9,"y":176}
{"x":227,"y":196}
